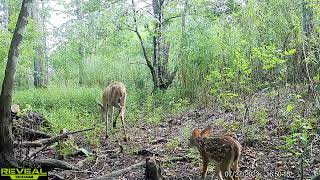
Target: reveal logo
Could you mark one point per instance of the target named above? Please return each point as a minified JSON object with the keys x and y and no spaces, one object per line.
{"x":23,"y":173}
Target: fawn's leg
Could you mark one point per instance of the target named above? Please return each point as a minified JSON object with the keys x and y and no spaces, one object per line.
{"x":235,"y":168}
{"x":205,"y":162}
{"x":226,"y":168}
{"x":218,"y":171}
{"x":122,"y":110}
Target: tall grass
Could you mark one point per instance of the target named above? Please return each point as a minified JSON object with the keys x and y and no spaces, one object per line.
{"x":76,"y":108}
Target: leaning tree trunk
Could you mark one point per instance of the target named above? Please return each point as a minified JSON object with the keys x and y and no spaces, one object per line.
{"x":6,"y":145}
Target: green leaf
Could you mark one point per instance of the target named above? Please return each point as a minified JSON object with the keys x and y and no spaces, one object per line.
{"x":289,"y":108}
{"x":290,"y":52}
{"x":214,"y":90}
{"x":84,"y":151}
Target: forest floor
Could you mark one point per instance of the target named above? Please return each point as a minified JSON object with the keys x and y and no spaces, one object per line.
{"x":262,"y":156}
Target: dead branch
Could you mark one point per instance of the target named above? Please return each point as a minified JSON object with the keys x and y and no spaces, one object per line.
{"x":35,"y":153}
{"x":33,"y":133}
{"x":135,"y":166}
{"x":48,"y":141}
{"x":82,"y":171}
{"x":56,"y":177}
{"x":28,"y":144}
{"x":139,"y":63}
{"x":48,"y":164}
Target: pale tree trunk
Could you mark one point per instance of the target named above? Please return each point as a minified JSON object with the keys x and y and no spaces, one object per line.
{"x":184,"y":15}
{"x":81,"y":46}
{"x":81,"y":64}
{"x":6,"y":142}
{"x":44,"y":44}
{"x":183,"y":68}
{"x":39,"y":60}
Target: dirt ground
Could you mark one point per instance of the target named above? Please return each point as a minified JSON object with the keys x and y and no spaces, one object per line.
{"x":259,"y":160}
{"x":261,"y":157}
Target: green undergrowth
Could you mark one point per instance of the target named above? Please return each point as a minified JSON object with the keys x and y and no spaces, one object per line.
{"x":76,"y":108}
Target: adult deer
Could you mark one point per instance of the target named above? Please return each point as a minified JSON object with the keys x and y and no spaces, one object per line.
{"x":114,"y":96}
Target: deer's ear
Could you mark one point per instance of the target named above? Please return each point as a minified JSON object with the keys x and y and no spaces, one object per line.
{"x":205,"y":132}
{"x":196,"y":132}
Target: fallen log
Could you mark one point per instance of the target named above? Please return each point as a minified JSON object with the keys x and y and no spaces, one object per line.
{"x":27,"y":144}
{"x":31,"y":133}
{"x":48,"y":164}
{"x":48,"y":141}
{"x":135,"y":166}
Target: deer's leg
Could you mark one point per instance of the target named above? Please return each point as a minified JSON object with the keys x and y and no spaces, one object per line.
{"x":106,"y":118}
{"x":115,"y":119}
{"x":122,"y":110}
{"x":111,"y":115}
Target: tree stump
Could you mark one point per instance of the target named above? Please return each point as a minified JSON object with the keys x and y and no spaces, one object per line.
{"x":153,"y":169}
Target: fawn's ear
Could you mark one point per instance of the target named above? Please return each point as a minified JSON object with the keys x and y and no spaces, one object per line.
{"x":196,"y":132}
{"x":205,"y":132}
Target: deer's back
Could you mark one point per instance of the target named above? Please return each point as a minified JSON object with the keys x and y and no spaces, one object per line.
{"x":114,"y":94}
{"x":215,"y":148}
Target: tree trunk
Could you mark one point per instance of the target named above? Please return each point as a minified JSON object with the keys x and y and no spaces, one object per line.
{"x":6,"y":142}
{"x":37,"y":71}
{"x":161,"y":76}
{"x":39,"y":60}
{"x":161,"y":48}
{"x":81,"y":46}
{"x":81,"y":64}
{"x":183,"y":70}
{"x":44,"y":44}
